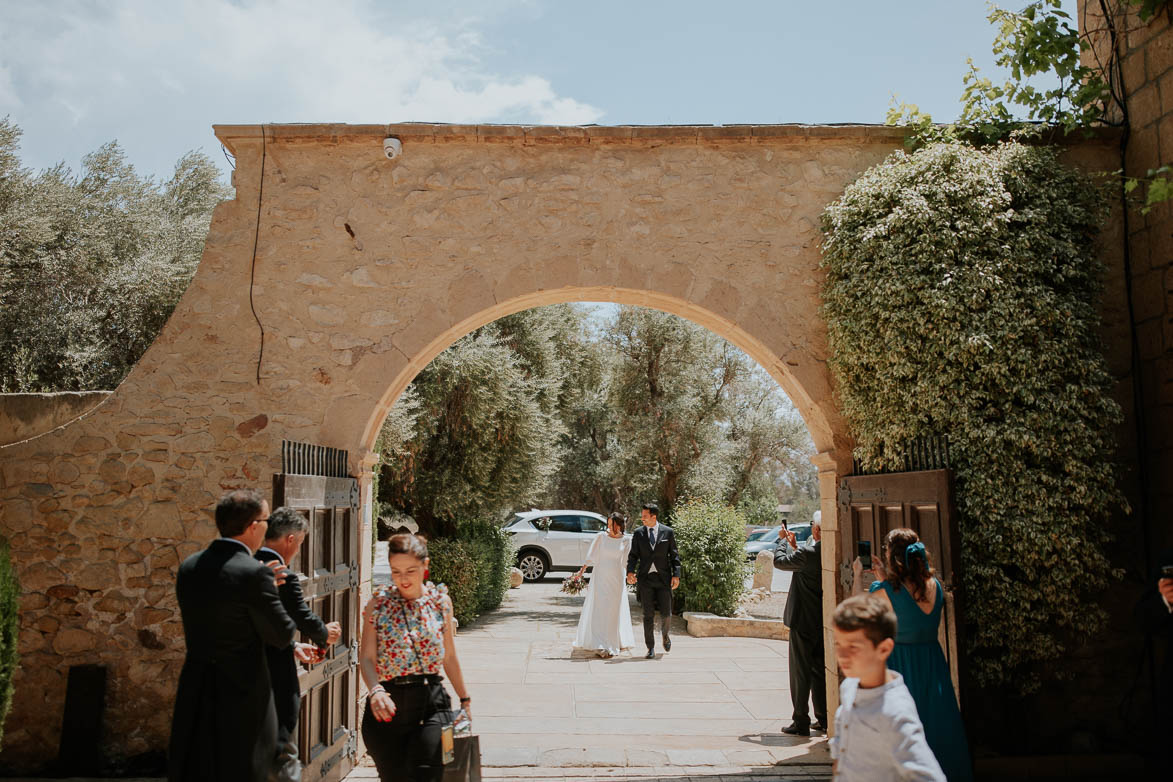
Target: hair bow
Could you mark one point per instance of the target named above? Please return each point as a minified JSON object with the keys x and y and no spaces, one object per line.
{"x":915,"y":548}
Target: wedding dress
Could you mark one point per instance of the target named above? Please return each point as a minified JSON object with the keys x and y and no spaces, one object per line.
{"x":605,"y":623}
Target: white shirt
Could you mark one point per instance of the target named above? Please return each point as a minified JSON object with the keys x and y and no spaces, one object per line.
{"x":653,"y":538}
{"x":879,"y":737}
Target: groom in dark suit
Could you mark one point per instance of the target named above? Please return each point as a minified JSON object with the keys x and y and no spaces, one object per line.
{"x":654,"y":564}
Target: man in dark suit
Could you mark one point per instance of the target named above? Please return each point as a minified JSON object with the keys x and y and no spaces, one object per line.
{"x":804,"y":616}
{"x":654,"y":564}
{"x":225,"y":725}
{"x":283,"y":539}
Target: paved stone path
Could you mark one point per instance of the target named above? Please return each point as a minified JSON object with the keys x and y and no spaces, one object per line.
{"x":712,"y":706}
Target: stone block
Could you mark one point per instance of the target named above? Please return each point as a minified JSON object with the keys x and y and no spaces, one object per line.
{"x":702,"y":625}
{"x":1144,"y":105}
{"x":516,"y":578}
{"x":763,"y":570}
{"x":72,"y":640}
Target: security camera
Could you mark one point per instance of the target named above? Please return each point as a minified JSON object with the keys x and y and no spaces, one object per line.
{"x":392,"y":147}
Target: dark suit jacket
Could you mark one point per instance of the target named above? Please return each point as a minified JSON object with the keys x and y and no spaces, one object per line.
{"x":225,"y":726}
{"x":665,"y":556}
{"x":282,"y":664}
{"x":804,"y":604}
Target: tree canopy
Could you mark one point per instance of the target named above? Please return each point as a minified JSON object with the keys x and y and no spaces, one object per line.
{"x":552,"y":407}
{"x":92,"y":263}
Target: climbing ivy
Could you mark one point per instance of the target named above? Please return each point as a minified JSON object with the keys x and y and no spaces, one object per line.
{"x":961,"y":299}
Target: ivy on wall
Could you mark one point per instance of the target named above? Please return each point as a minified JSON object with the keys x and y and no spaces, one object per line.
{"x":961,"y":299}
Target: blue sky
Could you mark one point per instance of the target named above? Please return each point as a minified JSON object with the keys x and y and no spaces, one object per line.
{"x":156,"y":74}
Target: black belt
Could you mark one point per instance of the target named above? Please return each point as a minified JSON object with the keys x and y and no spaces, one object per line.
{"x":415,"y":678}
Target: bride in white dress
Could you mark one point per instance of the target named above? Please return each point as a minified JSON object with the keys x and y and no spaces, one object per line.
{"x":605,"y":624}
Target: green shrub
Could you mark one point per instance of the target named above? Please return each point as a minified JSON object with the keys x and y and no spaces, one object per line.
{"x":494,"y":553}
{"x":711,"y":539}
{"x":961,"y":299}
{"x":453,"y":564}
{"x":9,"y":626}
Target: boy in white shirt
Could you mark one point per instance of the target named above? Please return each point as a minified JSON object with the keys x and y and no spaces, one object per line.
{"x":878,"y":735}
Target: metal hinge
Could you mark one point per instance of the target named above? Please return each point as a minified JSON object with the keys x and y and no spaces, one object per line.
{"x":352,"y":745}
{"x":354,"y":652}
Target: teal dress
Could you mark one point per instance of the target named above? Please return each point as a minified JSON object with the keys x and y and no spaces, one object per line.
{"x":919,"y":659}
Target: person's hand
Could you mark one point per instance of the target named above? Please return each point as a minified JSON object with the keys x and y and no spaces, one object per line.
{"x":301,"y":653}
{"x":279,"y":571}
{"x":1165,"y":587}
{"x":333,"y":633}
{"x":631,"y":578}
{"x":382,"y":706}
{"x":857,"y":570}
{"x":878,"y":569}
{"x":675,"y":581}
{"x":792,"y":540}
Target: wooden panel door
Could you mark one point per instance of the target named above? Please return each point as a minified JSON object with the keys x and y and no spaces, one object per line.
{"x":872,"y":505}
{"x":328,"y":567}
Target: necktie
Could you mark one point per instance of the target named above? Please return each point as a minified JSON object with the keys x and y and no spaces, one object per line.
{"x":652,"y":536}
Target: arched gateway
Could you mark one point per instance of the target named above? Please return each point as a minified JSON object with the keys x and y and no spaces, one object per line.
{"x":360,"y":270}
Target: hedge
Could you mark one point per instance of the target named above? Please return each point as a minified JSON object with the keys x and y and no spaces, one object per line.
{"x":961,"y":299}
{"x":475,"y":567}
{"x":711,"y":538}
{"x":9,"y":626}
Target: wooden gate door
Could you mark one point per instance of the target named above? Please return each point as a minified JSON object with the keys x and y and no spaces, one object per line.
{"x":313,"y":481}
{"x":922,"y":500}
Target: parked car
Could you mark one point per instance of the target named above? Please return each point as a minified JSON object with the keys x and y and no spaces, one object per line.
{"x":767,"y":539}
{"x":553,"y":540}
{"x":761,"y":540}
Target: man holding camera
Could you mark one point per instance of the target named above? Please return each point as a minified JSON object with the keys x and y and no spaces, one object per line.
{"x":804,"y":616}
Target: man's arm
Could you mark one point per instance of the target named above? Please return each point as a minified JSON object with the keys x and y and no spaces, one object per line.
{"x":309,"y":624}
{"x":673,"y":556}
{"x":633,"y":555}
{"x":268,"y":614}
{"x":791,"y":559}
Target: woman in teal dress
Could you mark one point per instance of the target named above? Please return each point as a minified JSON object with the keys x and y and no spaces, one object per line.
{"x":908,"y":583}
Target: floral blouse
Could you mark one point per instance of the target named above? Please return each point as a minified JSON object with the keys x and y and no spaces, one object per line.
{"x":409,"y":634}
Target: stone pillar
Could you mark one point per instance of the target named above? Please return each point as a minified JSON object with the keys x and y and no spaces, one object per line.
{"x":831,"y":464}
{"x":763,"y":570}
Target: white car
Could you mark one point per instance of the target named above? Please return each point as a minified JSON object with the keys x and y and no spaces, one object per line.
{"x":553,"y":540}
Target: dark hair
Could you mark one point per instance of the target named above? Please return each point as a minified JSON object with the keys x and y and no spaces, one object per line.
{"x":617,"y":518}
{"x":285,"y":521}
{"x":652,"y":508}
{"x":236,"y":510}
{"x":868,"y":613}
{"x":916,"y":572}
{"x":406,"y":543}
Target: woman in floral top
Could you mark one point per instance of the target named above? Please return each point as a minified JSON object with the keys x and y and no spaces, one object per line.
{"x":407,"y":637}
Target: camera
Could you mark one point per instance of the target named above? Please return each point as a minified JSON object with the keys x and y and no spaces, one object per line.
{"x":392,"y":147}
{"x":863,"y":549}
{"x":1166,"y":571}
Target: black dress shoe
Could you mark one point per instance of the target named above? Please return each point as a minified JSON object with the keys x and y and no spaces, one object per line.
{"x":667,"y":645}
{"x":820,"y":727}
{"x":794,"y":729}
{"x":651,"y":655}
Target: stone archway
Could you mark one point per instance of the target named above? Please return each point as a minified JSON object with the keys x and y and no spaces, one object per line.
{"x":359,"y":270}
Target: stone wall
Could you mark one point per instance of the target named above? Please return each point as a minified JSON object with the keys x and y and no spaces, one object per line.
{"x":23,"y":416}
{"x":1144,"y":51}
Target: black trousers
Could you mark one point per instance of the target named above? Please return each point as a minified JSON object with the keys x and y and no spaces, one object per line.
{"x":655,"y":592}
{"x":807,"y":679}
{"x":407,"y":749}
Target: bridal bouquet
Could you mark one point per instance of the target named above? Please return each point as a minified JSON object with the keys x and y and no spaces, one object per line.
{"x":574,"y":584}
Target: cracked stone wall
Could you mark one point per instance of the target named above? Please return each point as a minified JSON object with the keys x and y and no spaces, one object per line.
{"x":364,"y":270}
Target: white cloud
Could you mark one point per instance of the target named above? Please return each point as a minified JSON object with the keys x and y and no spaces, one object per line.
{"x":139,"y":67}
